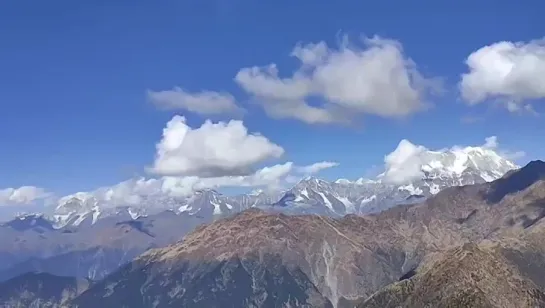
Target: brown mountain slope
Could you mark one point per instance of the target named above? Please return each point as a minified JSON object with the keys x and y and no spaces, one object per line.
{"x":258,"y":259}
{"x":468,"y":276}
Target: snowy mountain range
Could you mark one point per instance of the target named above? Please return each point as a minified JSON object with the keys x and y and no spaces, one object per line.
{"x":88,"y":237}
{"x":412,"y":176}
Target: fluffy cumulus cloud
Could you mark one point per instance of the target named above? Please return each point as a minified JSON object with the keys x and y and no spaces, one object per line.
{"x":204,"y":102}
{"x":376,"y":79}
{"x":212,"y":150}
{"x":405,"y":163}
{"x":22,"y":195}
{"x":513,"y":72}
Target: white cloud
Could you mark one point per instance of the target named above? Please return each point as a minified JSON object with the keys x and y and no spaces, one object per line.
{"x":404,"y":163}
{"x":511,"y":71}
{"x":317,"y":167}
{"x":520,"y":108}
{"x":204,"y":102}
{"x":213,"y":150}
{"x":22,"y":196}
{"x":377,"y":79}
{"x":492,"y":144}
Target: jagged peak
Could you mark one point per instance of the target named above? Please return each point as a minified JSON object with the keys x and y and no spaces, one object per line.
{"x":312,"y":179}
{"x":409,"y":162}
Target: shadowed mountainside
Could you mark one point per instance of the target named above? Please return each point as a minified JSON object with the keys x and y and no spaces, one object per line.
{"x":40,"y":290}
{"x":30,"y":244}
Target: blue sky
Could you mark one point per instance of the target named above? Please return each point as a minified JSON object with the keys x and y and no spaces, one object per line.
{"x":74,"y":76}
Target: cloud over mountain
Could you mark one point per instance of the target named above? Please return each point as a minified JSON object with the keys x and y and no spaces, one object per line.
{"x":409,"y":162}
{"x":376,"y":79}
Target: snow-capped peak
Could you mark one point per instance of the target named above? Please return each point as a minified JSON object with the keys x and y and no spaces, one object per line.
{"x":410,"y":162}
{"x":76,"y":202}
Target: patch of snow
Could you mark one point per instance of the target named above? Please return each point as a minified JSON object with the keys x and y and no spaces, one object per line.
{"x":487,"y":177}
{"x":62,"y":219}
{"x":134,"y":215}
{"x":348,"y":205}
{"x":304,"y":192}
{"x":217,"y":208}
{"x":185,"y":208}
{"x":459,"y":164}
{"x":96,"y":214}
{"x":369,"y":199}
{"x":326,"y":201}
{"x":80,"y":219}
{"x":411,"y":189}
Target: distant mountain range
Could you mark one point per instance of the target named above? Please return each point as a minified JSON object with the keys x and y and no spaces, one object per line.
{"x":436,"y":170}
{"x":88,"y":239}
{"x":94,"y":237}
